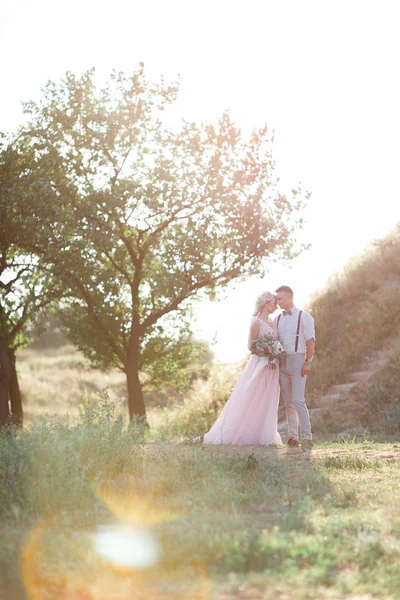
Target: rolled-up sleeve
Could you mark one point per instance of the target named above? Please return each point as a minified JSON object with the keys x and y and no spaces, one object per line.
{"x":308,"y":327}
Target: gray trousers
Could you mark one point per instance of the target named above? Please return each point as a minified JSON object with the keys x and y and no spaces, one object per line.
{"x":293,"y":388}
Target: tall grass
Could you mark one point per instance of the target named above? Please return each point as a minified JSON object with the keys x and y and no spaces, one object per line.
{"x":356,"y":313}
{"x":54,"y":381}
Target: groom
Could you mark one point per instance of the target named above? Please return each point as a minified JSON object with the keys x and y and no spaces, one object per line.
{"x":297,"y":335}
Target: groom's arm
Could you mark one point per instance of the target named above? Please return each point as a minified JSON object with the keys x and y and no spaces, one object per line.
{"x":310,"y":347}
{"x":309,"y":337}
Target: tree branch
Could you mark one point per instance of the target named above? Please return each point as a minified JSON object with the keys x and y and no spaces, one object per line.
{"x":91,"y":309}
{"x":22,"y":320}
{"x":117,"y":170}
{"x":118,"y":267}
{"x":129,"y":247}
{"x":223,"y":278}
{"x":7,"y":286}
{"x":174,"y":217}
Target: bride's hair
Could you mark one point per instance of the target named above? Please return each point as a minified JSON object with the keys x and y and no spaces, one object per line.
{"x":262,"y":299}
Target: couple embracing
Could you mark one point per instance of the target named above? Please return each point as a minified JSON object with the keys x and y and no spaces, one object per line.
{"x":282,"y":352}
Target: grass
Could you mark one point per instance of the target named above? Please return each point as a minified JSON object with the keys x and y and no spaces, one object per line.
{"x":54,"y":382}
{"x":227,"y":522}
{"x":354,"y":313}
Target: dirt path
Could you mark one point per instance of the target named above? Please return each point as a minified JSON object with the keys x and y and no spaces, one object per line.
{"x":269,"y":453}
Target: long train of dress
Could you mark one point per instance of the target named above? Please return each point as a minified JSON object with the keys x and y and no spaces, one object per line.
{"x":250,"y":416}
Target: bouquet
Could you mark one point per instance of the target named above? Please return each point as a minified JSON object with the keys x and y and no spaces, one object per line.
{"x":266,"y":346}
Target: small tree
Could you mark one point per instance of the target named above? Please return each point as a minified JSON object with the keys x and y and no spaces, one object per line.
{"x":149,"y":217}
{"x":24,"y":289}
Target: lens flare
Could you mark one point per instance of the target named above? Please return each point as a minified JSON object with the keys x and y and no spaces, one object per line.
{"x":65,"y":565}
{"x":62,"y":558}
{"x":126,"y":548}
{"x":135,"y":510}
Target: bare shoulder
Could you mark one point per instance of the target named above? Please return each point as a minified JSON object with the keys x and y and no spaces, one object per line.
{"x":255,"y":324}
{"x":254,"y":321}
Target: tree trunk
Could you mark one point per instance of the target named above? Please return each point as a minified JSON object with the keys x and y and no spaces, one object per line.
{"x":17,"y":414}
{"x":137,"y":409}
{"x":5,"y":378}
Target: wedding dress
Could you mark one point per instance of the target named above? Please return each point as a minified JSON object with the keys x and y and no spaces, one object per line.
{"x":250,"y":415}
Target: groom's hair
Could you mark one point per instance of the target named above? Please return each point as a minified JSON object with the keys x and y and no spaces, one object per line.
{"x":285,"y":288}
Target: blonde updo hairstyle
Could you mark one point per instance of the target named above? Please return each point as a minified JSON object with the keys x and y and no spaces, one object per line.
{"x":261,"y":301}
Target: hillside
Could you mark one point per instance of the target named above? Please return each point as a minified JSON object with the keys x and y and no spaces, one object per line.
{"x":356,"y":374}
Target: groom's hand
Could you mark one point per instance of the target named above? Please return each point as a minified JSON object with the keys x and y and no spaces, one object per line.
{"x":306,"y":369}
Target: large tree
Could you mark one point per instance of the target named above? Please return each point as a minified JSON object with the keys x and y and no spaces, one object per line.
{"x":25,"y":289}
{"x":149,"y":217}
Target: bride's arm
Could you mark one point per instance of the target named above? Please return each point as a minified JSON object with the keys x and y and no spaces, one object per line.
{"x":254,"y":330}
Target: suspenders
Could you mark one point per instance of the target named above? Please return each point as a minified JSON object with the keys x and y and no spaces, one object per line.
{"x":298,"y":330}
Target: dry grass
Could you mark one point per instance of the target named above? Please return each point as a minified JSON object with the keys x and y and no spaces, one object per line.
{"x":55,"y":382}
{"x":354,"y":314}
{"x":356,"y":318}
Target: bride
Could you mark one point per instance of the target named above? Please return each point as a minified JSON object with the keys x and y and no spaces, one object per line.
{"x":250,"y":416}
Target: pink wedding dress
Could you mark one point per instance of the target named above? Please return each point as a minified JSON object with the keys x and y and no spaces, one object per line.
{"x":251,"y":414}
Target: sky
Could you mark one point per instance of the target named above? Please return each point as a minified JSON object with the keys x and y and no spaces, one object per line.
{"x":322,"y":74}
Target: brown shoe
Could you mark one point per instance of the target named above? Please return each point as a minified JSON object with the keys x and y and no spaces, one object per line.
{"x":293,"y":442}
{"x":307,"y":444}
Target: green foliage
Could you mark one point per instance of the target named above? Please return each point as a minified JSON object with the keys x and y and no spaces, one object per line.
{"x":166,"y":360}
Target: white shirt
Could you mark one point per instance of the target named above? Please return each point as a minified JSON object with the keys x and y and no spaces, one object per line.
{"x":287,"y":330}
